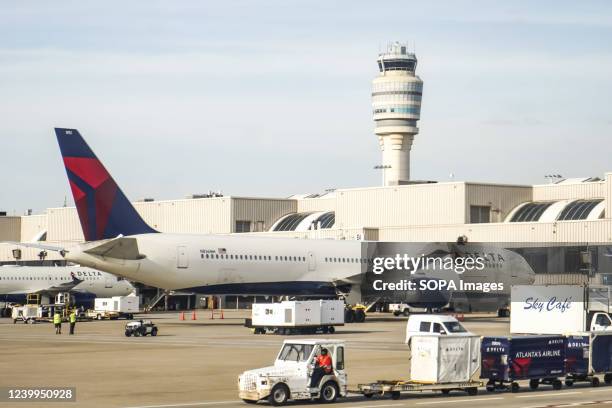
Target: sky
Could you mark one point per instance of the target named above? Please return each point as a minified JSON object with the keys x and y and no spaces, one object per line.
{"x":272,"y":98}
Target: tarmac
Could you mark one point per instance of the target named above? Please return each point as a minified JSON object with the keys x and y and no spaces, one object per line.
{"x":195,"y":363}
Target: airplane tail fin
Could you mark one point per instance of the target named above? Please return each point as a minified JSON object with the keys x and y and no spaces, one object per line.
{"x":104,"y":211}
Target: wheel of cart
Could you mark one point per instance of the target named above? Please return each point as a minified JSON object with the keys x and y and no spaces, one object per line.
{"x":534,"y":383}
{"x":329,"y":392}
{"x":471,"y":390}
{"x":395,"y":395}
{"x":514,"y":387}
{"x":608,"y":378}
{"x":279,"y":395}
{"x":595,"y":381}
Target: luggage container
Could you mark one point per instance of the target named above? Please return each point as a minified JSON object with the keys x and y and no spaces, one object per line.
{"x":587,"y":355}
{"x":507,"y":359}
{"x":27,"y":314}
{"x":441,"y":359}
{"x":438,"y":363}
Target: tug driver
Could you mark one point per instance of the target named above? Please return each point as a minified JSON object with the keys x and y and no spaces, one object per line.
{"x":323,"y":366}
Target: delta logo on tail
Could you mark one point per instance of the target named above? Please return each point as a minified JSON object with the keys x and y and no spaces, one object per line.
{"x":104,"y":211}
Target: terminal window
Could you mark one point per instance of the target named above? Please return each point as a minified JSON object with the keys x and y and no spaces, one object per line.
{"x":243,"y":226}
{"x":480,"y":214}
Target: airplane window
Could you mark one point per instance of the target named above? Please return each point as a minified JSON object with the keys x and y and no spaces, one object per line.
{"x":202,"y":256}
{"x":206,"y":256}
{"x":285,"y":258}
{"x":251,"y":257}
{"x":217,"y":256}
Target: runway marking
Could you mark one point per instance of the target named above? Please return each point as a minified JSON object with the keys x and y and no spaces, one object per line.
{"x":602,"y":390}
{"x":458,"y":400}
{"x":549,"y":395}
{"x":375,"y":406}
{"x":188,"y":404}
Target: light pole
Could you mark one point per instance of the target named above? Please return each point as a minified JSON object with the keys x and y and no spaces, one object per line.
{"x":383,"y":167}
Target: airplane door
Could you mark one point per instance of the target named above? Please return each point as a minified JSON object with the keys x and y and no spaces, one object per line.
{"x":312,"y":261}
{"x":182,"y":260}
{"x":108,"y":283}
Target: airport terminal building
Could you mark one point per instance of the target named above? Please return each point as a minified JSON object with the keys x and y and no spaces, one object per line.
{"x":563,"y":229}
{"x":572,"y":213}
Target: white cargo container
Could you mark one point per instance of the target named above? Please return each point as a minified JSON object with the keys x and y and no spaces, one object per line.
{"x":115,"y":307}
{"x":559,"y":309}
{"x":27,"y":313}
{"x":297,"y":316}
{"x":332,"y":312}
{"x":444,"y":359}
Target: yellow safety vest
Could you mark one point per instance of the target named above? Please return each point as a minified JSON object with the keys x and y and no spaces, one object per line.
{"x":57,"y":318}
{"x":72,"y":317}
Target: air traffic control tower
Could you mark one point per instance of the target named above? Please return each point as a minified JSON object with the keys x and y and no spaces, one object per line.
{"x":396,"y":103}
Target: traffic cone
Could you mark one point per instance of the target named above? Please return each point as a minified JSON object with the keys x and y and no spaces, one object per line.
{"x":193,"y":315}
{"x":182,"y":316}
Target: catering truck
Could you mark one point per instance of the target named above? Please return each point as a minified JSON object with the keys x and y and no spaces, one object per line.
{"x":296,"y":317}
{"x":560,"y":309}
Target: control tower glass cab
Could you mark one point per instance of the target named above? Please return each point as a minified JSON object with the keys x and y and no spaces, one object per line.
{"x":396,"y":106}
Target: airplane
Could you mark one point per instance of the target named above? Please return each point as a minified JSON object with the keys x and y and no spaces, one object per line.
{"x":120,"y":242}
{"x":84,"y":283}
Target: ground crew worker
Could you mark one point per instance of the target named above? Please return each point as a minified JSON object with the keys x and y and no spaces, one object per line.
{"x":57,"y":321}
{"x":323,"y":367}
{"x":73,"y":318}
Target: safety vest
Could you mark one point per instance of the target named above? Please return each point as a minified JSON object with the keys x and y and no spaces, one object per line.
{"x":73,"y":317}
{"x":57,"y":319}
{"x":325,"y":362}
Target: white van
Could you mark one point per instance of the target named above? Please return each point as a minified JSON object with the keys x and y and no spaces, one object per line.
{"x":436,"y":325}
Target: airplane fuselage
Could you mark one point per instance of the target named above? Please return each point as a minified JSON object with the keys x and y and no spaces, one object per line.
{"x":231,"y":264}
{"x":19,"y":280}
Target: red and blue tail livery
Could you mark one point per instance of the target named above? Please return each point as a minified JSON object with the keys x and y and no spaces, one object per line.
{"x":104,"y":211}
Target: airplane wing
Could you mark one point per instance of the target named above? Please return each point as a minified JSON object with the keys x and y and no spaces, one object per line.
{"x":36,"y":245}
{"x":118,"y":248}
